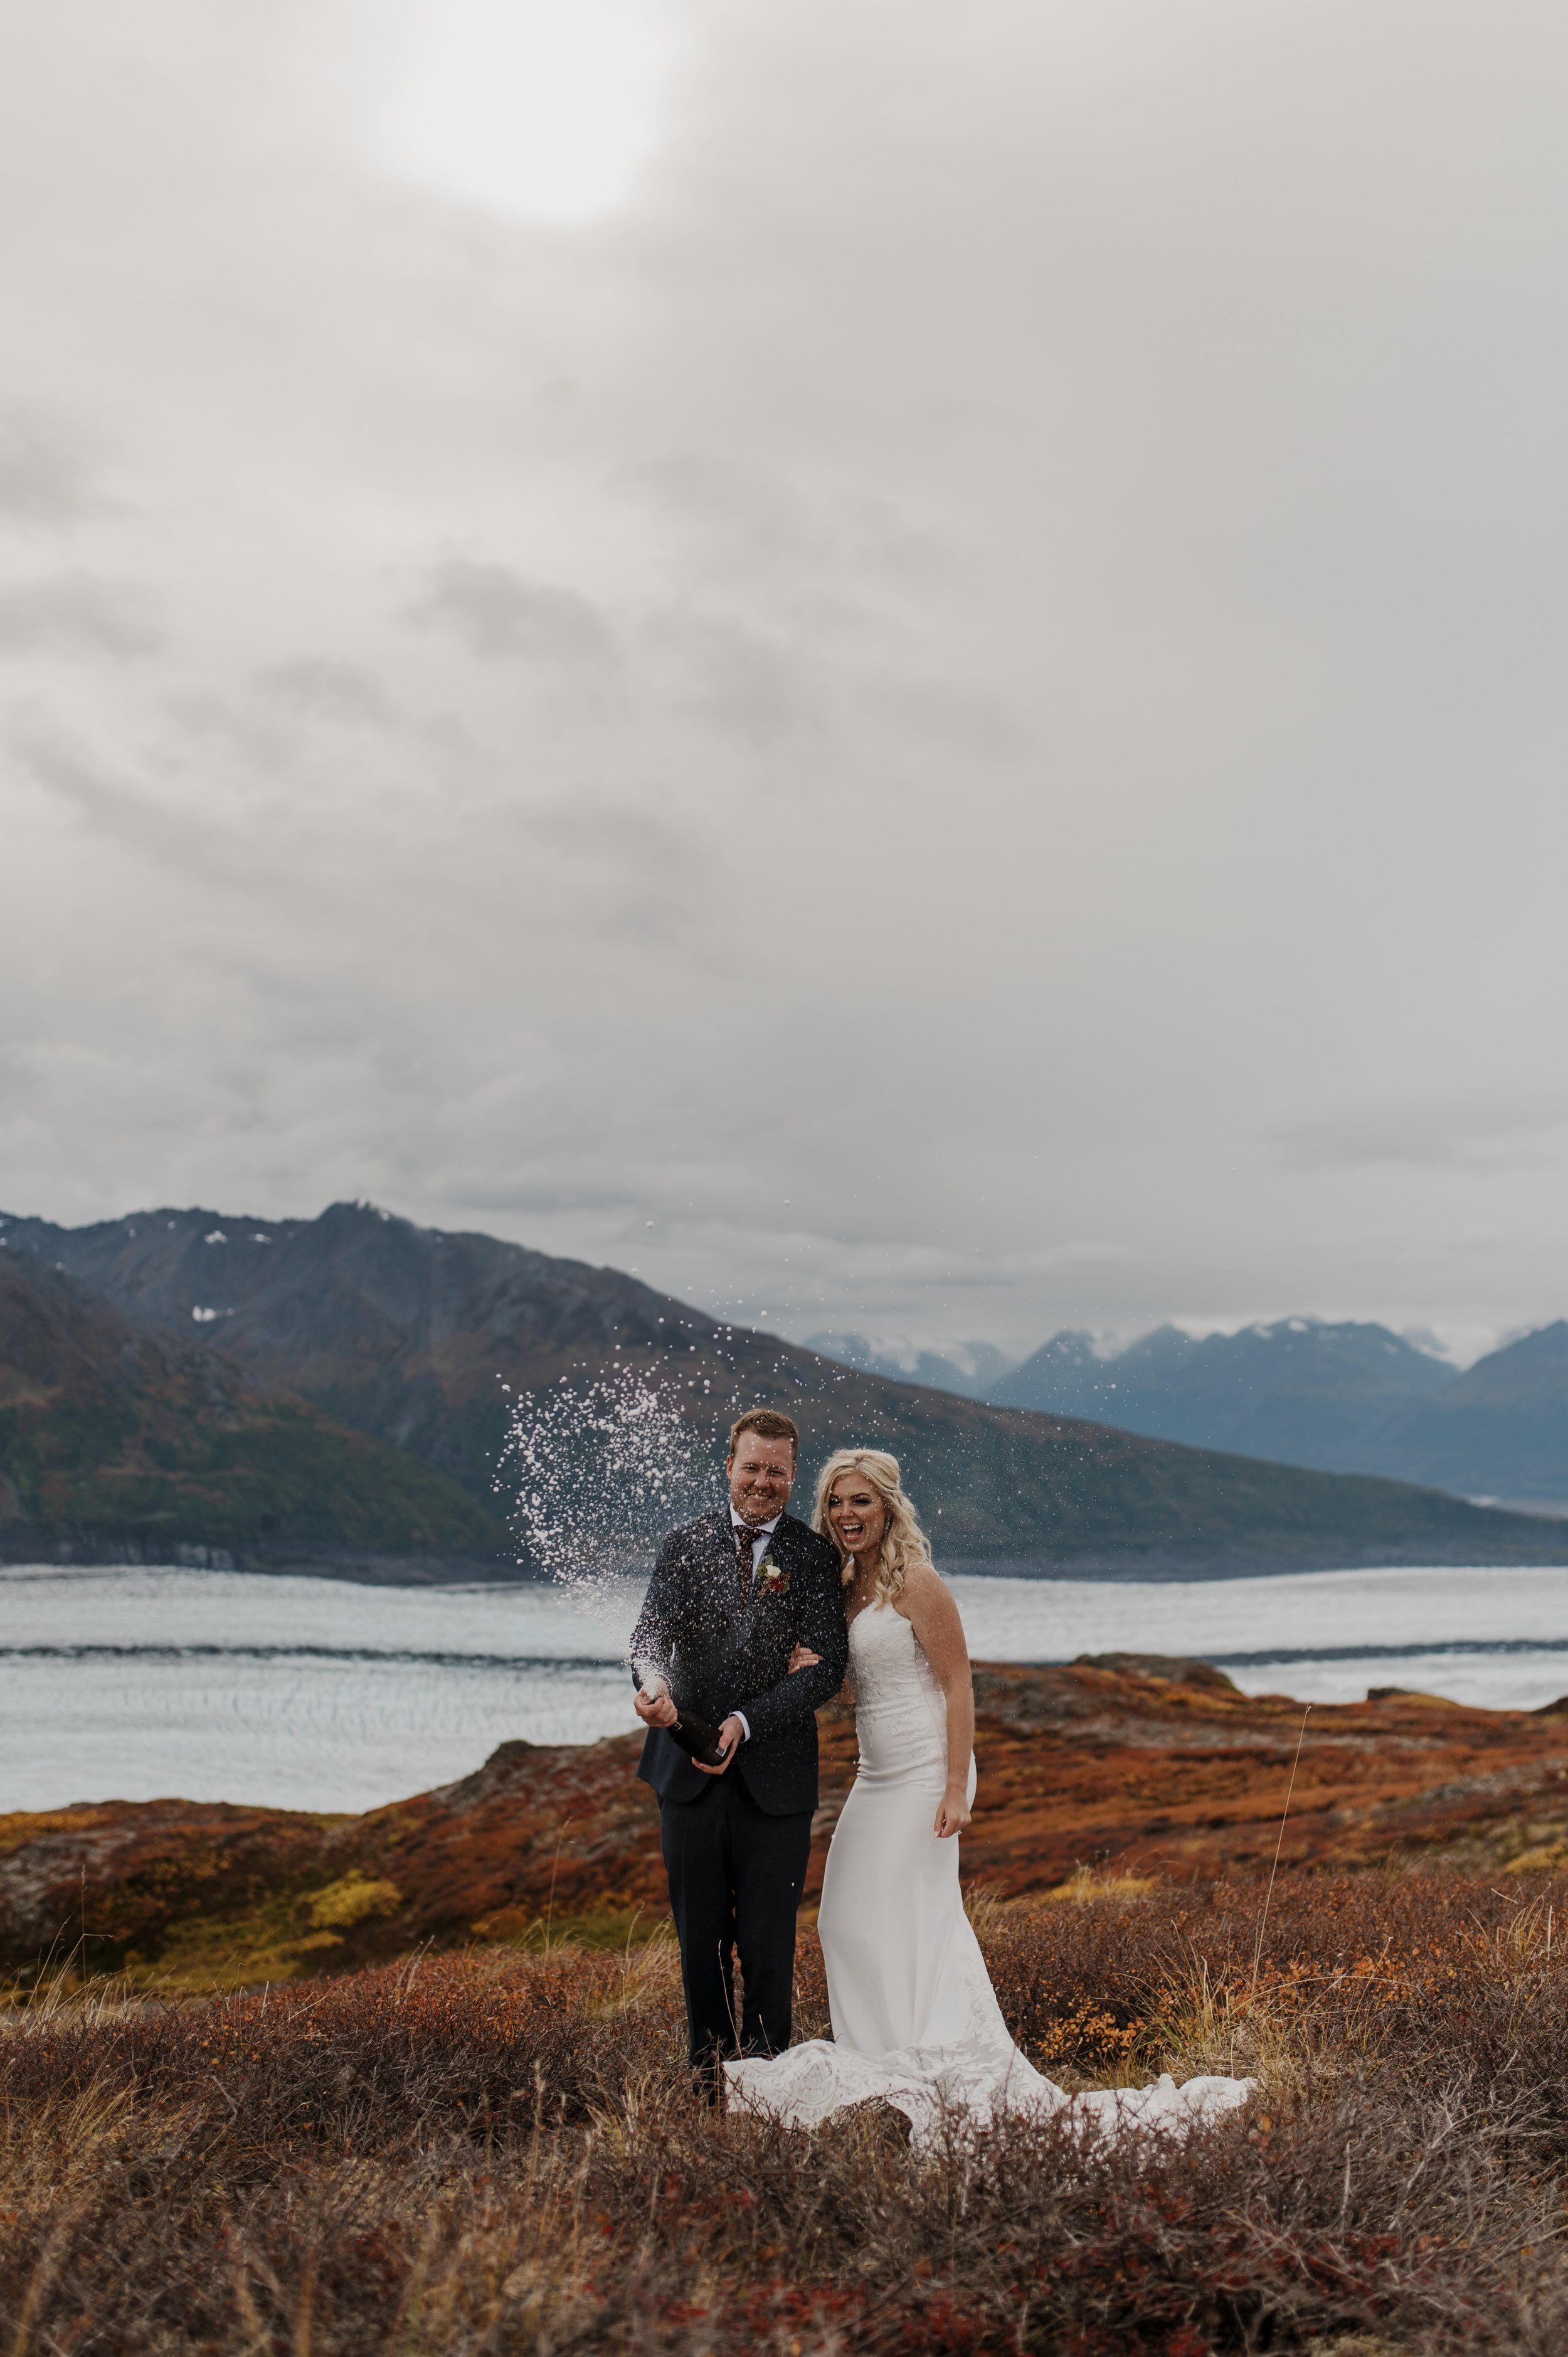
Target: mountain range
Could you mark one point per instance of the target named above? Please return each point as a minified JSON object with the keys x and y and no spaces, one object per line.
{"x":968,"y":1369}
{"x":360,"y":1327}
{"x":1346,"y":1398}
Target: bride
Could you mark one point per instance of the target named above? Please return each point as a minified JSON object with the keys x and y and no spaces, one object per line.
{"x":915,"y":2021}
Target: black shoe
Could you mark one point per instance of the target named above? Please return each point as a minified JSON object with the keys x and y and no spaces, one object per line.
{"x":708,"y":2081}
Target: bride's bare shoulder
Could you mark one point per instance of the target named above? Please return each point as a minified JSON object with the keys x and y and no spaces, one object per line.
{"x":923,"y":1585}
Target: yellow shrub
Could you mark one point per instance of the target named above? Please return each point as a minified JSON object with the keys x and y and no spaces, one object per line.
{"x":352,"y":1900}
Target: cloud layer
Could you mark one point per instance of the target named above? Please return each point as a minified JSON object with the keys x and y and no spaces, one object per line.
{"x":947,"y":721}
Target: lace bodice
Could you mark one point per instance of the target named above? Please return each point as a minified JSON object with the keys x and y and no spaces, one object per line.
{"x":900,"y":1709}
{"x":887,"y":1666}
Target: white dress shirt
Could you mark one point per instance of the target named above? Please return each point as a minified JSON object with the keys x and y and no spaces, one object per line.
{"x":761,"y":1533}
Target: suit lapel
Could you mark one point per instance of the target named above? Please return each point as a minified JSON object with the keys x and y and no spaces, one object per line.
{"x":720,"y":1599}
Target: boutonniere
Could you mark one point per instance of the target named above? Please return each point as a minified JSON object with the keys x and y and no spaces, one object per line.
{"x":772,"y":1579}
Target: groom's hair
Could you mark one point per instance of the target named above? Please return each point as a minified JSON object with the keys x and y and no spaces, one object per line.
{"x":767,"y":1423}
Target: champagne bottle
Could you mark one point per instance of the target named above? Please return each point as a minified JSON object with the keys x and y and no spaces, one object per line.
{"x":698,"y":1737}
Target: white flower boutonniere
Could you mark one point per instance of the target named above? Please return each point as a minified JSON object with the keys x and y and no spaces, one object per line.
{"x":772,"y":1579}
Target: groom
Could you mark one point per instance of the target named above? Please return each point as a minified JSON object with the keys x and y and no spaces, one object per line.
{"x":731,"y":1596}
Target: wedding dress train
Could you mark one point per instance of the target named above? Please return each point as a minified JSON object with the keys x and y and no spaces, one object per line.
{"x":915,"y":2021}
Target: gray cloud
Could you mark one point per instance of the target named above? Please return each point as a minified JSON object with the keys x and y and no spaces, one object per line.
{"x":337,"y":693}
{"x":739,"y":678}
{"x":746,"y":518}
{"x":1470,"y":1132}
{"x":77,"y":614}
{"x":45,"y":476}
{"x":120,"y":810}
{"x":501,"y":617}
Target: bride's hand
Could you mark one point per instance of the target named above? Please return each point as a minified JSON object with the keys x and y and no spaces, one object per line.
{"x":802,"y":1658}
{"x":953,"y":1815}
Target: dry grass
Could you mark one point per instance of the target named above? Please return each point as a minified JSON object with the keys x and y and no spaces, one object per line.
{"x":498,"y":2153}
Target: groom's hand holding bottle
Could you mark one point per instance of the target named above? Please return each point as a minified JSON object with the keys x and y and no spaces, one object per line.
{"x":732,"y":1734}
{"x":657,"y":1707}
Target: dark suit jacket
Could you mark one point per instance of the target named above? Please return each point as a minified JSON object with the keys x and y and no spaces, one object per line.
{"x":720,"y":1654}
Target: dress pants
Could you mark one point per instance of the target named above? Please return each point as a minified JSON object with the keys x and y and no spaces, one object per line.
{"x":735,"y":1878}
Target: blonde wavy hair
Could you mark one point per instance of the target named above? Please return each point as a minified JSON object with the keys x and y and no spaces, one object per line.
{"x":904,"y":1543}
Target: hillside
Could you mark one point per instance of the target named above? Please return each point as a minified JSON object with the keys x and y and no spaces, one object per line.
{"x":117,"y":1443}
{"x":1125,"y":1764}
{"x":408,"y":1334}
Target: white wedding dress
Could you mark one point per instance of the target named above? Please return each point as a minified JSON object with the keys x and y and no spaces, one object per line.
{"x":916,"y":2021}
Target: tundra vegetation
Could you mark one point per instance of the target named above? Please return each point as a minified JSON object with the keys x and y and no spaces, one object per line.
{"x":496,"y":2149}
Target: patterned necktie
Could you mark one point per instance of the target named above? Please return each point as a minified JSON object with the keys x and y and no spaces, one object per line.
{"x":744,"y":1538}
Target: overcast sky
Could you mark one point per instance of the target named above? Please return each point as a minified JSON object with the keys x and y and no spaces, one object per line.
{"x":901,"y":664}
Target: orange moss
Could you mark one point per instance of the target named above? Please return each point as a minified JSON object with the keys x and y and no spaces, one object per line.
{"x":1092,"y":1774}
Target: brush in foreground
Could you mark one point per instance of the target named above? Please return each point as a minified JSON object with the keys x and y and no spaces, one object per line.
{"x":498,"y":2153}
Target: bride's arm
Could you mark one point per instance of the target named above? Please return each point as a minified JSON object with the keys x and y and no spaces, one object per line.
{"x":939,"y":1632}
{"x":802,"y":1658}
